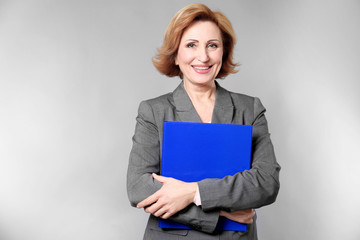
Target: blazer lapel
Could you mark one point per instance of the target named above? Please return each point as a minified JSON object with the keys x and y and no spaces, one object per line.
{"x":223,"y":110}
{"x":183,"y":105}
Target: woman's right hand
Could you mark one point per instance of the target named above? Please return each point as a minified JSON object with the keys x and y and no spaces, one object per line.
{"x":241,"y":216}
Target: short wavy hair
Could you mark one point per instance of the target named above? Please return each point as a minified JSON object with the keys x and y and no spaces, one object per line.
{"x":164,"y":61}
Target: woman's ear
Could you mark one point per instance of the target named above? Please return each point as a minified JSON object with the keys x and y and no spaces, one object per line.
{"x":176,"y":61}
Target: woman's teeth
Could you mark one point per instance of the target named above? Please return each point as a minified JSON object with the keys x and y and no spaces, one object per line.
{"x":202,"y":68}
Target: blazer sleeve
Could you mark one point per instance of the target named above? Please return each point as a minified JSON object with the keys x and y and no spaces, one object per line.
{"x":145,"y":160}
{"x":252,"y":188}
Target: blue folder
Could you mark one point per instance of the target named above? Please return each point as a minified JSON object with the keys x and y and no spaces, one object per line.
{"x":194,"y":151}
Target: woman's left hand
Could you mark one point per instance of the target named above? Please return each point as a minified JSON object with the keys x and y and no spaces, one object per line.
{"x":241,"y":216}
{"x":173,"y":196}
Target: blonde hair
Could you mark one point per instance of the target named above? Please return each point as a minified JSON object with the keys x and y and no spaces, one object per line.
{"x":164,"y":61}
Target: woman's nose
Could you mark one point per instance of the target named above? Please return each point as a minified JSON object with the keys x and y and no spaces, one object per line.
{"x":203,"y":55}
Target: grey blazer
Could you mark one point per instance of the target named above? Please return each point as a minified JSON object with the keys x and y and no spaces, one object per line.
{"x":254,"y":188}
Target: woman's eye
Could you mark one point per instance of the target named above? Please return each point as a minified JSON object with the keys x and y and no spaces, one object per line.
{"x":190,"y":45}
{"x":212,"y":45}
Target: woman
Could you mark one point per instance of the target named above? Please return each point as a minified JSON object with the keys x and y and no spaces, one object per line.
{"x":198,"y":47}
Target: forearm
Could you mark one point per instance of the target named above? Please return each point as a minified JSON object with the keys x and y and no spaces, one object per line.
{"x":246,"y":190}
{"x":194,"y":217}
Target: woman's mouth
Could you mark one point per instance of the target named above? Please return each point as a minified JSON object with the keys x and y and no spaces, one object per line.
{"x":202,"y":69}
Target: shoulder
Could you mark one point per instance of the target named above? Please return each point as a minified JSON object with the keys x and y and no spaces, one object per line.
{"x":244,"y":101}
{"x":155,"y":109}
{"x":158,"y":103}
{"x":164,"y":99}
{"x":241,"y":99}
{"x":245,"y":106}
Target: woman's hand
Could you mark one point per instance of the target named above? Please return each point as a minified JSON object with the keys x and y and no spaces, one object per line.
{"x":241,"y":216}
{"x":173,"y":196}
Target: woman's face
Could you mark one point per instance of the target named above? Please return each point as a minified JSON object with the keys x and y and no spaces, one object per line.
{"x":200,"y":53}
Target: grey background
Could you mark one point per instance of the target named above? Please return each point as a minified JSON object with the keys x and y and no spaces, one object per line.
{"x":72,"y":74}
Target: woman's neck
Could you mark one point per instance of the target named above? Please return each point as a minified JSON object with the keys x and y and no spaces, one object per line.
{"x":201,"y":93}
{"x":203,"y":99}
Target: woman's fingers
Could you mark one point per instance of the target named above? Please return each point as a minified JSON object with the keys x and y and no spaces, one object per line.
{"x":241,"y":216}
{"x":173,"y":196}
{"x":148,"y":201}
{"x":153,"y":208}
{"x":159,"y":178}
{"x":167,"y":215}
{"x":154,"y":197}
{"x":248,"y":216}
{"x":160,"y":210}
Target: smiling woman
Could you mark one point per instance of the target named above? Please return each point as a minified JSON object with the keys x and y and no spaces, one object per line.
{"x":198,"y":47}
{"x":200,"y":53}
{"x":164,"y":61}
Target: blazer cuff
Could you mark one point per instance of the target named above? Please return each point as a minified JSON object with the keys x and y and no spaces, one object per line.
{"x":197,"y":219}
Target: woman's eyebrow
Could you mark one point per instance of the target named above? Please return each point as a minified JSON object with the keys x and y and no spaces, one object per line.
{"x":214,"y":40}
{"x":211,"y":40}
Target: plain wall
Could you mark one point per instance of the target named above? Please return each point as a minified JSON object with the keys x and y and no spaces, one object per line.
{"x":73,"y":72}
